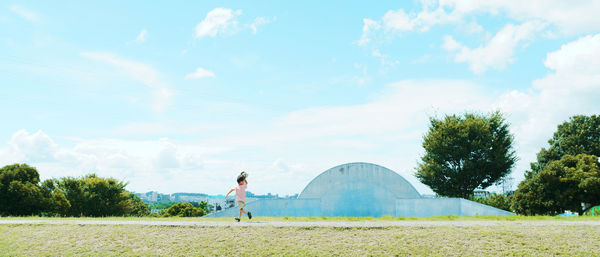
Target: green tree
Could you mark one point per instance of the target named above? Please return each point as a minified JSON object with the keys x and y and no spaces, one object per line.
{"x":95,"y":196}
{"x":463,"y":153}
{"x":137,"y":206}
{"x":205,"y":206}
{"x":579,"y":135}
{"x":566,"y":184}
{"x":165,"y":205}
{"x":20,"y":192}
{"x":495,"y":200}
{"x":55,"y":201}
{"x":161,"y":205}
{"x":184,"y":210}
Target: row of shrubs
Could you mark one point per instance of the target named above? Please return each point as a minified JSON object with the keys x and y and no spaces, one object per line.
{"x":23,"y":194}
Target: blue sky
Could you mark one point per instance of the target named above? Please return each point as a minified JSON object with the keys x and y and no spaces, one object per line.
{"x":182,"y":96}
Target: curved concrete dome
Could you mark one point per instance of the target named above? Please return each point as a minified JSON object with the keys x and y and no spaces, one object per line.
{"x":359,"y":189}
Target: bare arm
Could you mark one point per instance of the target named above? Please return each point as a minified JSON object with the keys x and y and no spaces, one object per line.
{"x":229,"y":193}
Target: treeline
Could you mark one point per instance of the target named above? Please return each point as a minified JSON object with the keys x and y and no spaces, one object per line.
{"x":183,"y":209}
{"x":471,"y":151}
{"x":22,"y":194}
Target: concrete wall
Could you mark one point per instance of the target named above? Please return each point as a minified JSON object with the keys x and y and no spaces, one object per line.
{"x":444,"y":206}
{"x":421,"y":207}
{"x":470,"y":208}
{"x":276,"y":207}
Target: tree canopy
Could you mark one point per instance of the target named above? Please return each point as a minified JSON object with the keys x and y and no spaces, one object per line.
{"x":562,"y":185}
{"x":20,"y":193}
{"x":579,"y":135}
{"x":95,"y":196}
{"x":463,"y":153}
{"x":184,"y":210}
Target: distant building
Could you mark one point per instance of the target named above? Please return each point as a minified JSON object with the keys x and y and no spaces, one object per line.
{"x":154,"y":196}
{"x":481,"y":193}
{"x":189,"y":197}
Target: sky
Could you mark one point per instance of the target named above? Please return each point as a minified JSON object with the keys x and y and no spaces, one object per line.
{"x":182,"y":96}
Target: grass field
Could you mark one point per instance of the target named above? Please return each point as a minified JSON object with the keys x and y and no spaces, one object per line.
{"x":384,"y":218}
{"x":522,"y":237}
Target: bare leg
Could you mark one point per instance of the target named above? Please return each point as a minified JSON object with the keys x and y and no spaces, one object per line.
{"x":242,"y":211}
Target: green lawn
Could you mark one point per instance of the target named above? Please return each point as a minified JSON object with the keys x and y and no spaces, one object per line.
{"x":509,"y":238}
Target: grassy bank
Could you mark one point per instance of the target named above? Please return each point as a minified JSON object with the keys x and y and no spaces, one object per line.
{"x":509,"y":239}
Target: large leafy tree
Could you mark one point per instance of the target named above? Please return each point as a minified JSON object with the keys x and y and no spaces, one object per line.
{"x":20,"y":192}
{"x":566,"y":184}
{"x":463,"y":153}
{"x":579,"y":135}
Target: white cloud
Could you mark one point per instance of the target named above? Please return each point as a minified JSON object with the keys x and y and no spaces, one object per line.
{"x":217,"y":21}
{"x":404,"y":101}
{"x":473,"y":27}
{"x":170,"y":157}
{"x":568,"y":18}
{"x":224,"y":21}
{"x":579,"y":56}
{"x":142,"y":36}
{"x":398,"y":20}
{"x":200,"y":73}
{"x":139,"y":71}
{"x":384,"y":59}
{"x":498,"y":52}
{"x":259,"y":21}
{"x":30,"y":147}
{"x":25,"y":13}
{"x":368,"y":27}
{"x":167,"y":157}
{"x":148,"y":164}
{"x":279,"y":166}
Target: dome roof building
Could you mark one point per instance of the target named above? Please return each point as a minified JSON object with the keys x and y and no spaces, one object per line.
{"x":362,"y":189}
{"x":359,"y":189}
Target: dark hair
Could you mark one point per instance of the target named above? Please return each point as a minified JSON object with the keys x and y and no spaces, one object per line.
{"x":240,"y":178}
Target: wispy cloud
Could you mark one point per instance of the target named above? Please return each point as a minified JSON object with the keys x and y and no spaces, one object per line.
{"x":498,"y":52}
{"x":142,"y":36}
{"x":225,"y":21}
{"x":25,"y":13}
{"x":200,"y":73}
{"x":260,"y":21}
{"x":217,"y":21}
{"x":557,"y":14}
{"x":139,"y":71}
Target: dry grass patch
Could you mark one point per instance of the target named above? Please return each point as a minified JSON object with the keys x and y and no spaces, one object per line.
{"x":510,"y":239}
